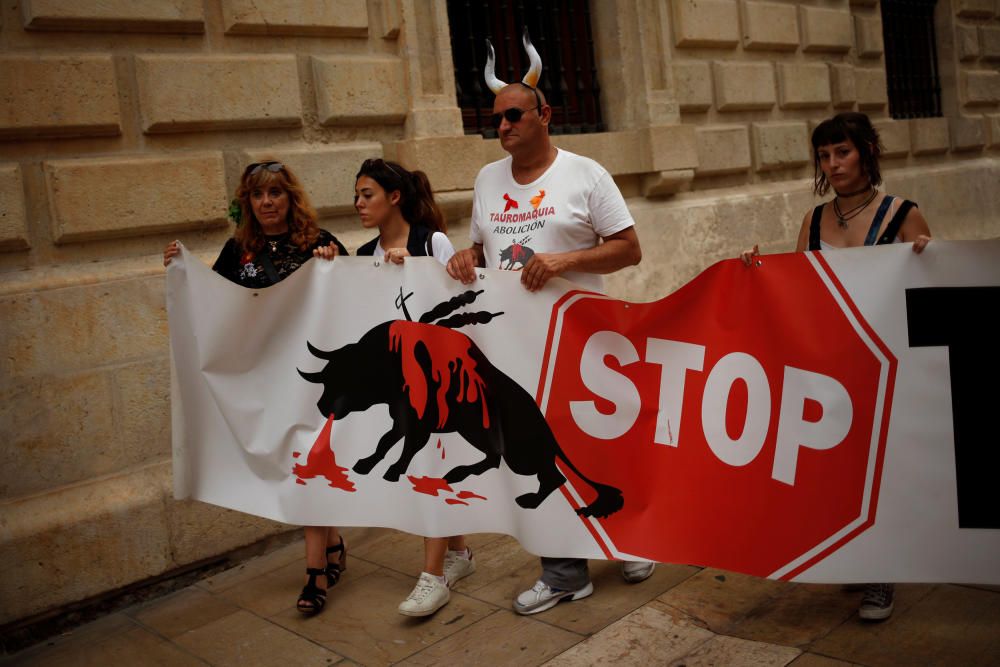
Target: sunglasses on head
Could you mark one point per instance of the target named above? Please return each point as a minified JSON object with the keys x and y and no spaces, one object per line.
{"x":273,"y":167}
{"x":377,"y":162}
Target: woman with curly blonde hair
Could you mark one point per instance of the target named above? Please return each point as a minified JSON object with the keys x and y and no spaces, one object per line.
{"x":276,"y":233}
{"x":276,"y":230}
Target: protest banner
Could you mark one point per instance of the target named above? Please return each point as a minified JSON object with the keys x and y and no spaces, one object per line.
{"x":819,"y":417}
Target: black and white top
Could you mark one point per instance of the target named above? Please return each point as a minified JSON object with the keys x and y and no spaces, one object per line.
{"x":278,"y":260}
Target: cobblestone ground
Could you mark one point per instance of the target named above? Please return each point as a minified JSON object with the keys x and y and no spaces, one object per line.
{"x":680,"y":616}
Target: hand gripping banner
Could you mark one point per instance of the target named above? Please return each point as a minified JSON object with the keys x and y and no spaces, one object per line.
{"x":818,"y":417}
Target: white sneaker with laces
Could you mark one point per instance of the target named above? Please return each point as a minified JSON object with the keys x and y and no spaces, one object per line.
{"x":541,"y":596}
{"x":427,"y":597}
{"x":457,"y":566}
{"x":636,"y":571}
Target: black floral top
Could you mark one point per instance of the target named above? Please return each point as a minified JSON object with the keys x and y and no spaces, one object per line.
{"x":256,"y":271}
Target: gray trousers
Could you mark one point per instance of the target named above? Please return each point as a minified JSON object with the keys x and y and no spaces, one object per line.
{"x":568,"y":574}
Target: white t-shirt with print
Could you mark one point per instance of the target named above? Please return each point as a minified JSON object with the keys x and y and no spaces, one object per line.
{"x":570,"y":207}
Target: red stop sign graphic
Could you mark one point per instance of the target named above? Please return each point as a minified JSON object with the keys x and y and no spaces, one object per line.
{"x":743,"y":417}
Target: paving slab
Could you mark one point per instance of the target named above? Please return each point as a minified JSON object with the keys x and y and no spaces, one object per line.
{"x":722,"y":650}
{"x":949,"y":625}
{"x":814,"y":660}
{"x":245,"y":639}
{"x":653,"y":634}
{"x":79,"y":637}
{"x":496,"y":559}
{"x":404,"y":553}
{"x":502,"y":638}
{"x":179,"y":612}
{"x":254,"y":567}
{"x":719,"y":599}
{"x":360,"y":621}
{"x":613,"y":597}
{"x":800,"y":616}
{"x":126,"y":646}
{"x":269,"y":593}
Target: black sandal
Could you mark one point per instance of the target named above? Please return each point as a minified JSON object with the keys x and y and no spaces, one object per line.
{"x":333,"y":570}
{"x":312,"y":595}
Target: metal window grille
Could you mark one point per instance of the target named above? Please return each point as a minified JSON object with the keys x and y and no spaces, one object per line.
{"x":559,"y":29}
{"x":911,"y":64}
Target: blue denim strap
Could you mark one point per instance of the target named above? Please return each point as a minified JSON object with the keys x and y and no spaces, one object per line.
{"x":877,"y":221}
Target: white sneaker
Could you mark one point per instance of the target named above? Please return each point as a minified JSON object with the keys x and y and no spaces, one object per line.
{"x":636,"y":571}
{"x":541,"y":597}
{"x":457,"y":566}
{"x":427,"y":597}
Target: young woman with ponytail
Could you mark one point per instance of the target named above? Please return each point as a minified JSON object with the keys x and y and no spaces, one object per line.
{"x":400,"y":204}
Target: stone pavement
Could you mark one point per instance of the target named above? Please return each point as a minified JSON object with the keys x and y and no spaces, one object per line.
{"x":681,"y":616}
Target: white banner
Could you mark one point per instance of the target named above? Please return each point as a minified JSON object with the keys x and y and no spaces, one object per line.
{"x":821,"y":417}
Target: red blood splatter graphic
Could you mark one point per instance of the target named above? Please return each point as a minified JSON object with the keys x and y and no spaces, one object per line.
{"x":296,"y":455}
{"x":428,"y":485}
{"x":470,"y":494}
{"x":448,"y":350}
{"x":453,"y":501}
{"x":321,"y":462}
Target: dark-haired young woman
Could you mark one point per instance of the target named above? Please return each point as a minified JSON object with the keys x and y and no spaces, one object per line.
{"x":400,"y":204}
{"x":846,"y":149}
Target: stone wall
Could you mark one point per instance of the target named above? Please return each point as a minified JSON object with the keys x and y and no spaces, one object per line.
{"x":125,"y":124}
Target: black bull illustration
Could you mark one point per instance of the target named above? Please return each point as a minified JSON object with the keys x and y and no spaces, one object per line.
{"x":436,"y":380}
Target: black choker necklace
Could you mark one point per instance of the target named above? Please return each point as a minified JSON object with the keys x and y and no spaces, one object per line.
{"x":853,"y":194}
{"x":843,"y":217}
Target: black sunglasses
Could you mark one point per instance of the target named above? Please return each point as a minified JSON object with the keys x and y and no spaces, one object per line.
{"x":512,"y":115}
{"x":273,"y":167}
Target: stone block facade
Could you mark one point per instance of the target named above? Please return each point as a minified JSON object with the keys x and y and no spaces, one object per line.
{"x":895,"y":136}
{"x":804,"y":86}
{"x":330,"y":18}
{"x":178,"y":16}
{"x":868,"y":30}
{"x":743,"y":86}
{"x":842,"y":86}
{"x":693,"y":82}
{"x":711,"y":23}
{"x":58,"y":96}
{"x":340,"y":78}
{"x":125,"y":124}
{"x":826,"y":30}
{"x":769,"y":26}
{"x":110,"y":197}
{"x":187,"y":93}
{"x":13,"y":219}
{"x":781,"y":145}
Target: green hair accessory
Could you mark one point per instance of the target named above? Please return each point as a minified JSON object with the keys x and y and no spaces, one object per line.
{"x":235,"y":212}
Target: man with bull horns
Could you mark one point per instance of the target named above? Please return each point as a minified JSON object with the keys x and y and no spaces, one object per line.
{"x":575,"y":218}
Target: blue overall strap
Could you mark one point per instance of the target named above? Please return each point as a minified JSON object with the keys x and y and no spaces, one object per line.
{"x":877,"y":220}
{"x":814,"y":227}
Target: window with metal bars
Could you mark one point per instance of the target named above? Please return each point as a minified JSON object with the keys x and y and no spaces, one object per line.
{"x":559,"y":29}
{"x":911,"y":65}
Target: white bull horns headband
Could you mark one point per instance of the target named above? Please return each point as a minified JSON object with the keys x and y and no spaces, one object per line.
{"x":530,"y":79}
